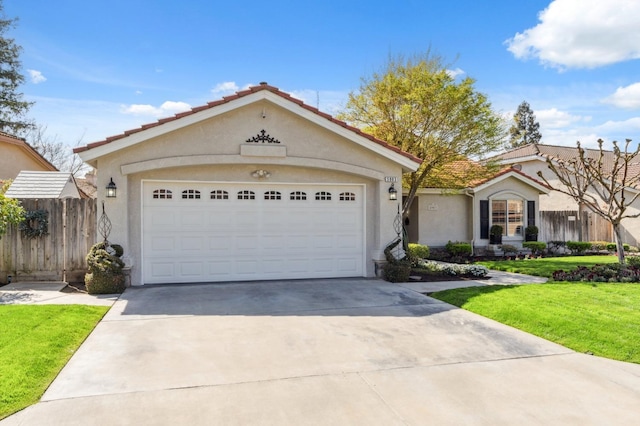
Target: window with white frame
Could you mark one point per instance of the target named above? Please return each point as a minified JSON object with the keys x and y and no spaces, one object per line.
{"x":510,"y":215}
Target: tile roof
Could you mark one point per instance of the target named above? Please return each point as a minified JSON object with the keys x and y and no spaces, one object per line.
{"x":564,"y":153}
{"x":36,"y":184}
{"x":507,"y":170}
{"x":238,"y":95}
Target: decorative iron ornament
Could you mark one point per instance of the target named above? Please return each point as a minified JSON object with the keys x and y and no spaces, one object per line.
{"x":397,"y":226}
{"x":104,"y":225}
{"x":262,"y":137}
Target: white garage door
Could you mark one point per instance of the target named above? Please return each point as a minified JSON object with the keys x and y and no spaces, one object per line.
{"x":204,"y":232}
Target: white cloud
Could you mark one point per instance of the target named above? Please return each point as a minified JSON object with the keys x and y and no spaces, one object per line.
{"x":166,"y":109}
{"x":455,"y":73}
{"x":36,"y":76}
{"x":225,"y":88}
{"x":553,"y":118}
{"x":625,"y":97}
{"x":582,"y":34}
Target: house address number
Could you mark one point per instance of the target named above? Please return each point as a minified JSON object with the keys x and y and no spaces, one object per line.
{"x":390,"y":178}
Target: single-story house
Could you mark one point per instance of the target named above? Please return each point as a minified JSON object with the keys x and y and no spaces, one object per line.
{"x":32,"y":184}
{"x":257,"y":185}
{"x":509,"y":199}
{"x":17,"y":155}
{"x":532,"y":158}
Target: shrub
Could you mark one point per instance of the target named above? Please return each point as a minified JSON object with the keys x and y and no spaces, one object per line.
{"x":578,"y":247}
{"x":614,"y":247}
{"x":418,"y":250}
{"x":633,"y":261}
{"x":397,"y":272}
{"x":508,"y":248}
{"x":536,"y":247}
{"x":105,"y":269}
{"x":458,"y":248}
{"x":600,"y":245}
{"x":613,"y":272}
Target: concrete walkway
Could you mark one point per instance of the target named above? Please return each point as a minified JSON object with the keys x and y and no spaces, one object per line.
{"x":48,"y":293}
{"x":348,"y":351}
{"x":494,"y":278}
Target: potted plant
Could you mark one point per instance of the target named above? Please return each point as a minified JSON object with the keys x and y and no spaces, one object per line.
{"x":531,"y":233}
{"x":495,"y":234}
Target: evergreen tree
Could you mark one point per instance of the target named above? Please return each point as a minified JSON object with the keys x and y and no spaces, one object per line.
{"x":13,"y":108}
{"x":525,"y":129}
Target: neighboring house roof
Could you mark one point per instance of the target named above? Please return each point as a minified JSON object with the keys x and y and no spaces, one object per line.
{"x":511,"y":172}
{"x":30,"y":184}
{"x":227,"y":100}
{"x":28,"y":150}
{"x":562,"y":154}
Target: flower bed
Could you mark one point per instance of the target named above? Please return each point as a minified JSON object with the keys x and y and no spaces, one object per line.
{"x":613,"y":272}
{"x":452,"y":269}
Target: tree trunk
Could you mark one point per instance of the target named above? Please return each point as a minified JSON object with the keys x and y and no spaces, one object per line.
{"x":617,"y":231}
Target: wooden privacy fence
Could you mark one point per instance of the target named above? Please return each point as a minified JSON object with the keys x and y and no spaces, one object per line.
{"x":55,"y":257}
{"x":572,"y":225}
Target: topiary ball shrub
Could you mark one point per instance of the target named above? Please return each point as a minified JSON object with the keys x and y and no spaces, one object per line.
{"x":105,"y":274}
{"x":104,"y":284}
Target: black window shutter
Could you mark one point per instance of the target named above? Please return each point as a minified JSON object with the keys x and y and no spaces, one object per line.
{"x":484,"y":219}
{"x":531,"y":213}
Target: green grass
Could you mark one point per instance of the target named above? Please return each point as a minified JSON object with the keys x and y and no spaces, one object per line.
{"x":602,"y":319}
{"x":546,"y":266}
{"x":36,"y":341}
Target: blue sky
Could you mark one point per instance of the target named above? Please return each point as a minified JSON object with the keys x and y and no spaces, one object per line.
{"x":97,"y":68}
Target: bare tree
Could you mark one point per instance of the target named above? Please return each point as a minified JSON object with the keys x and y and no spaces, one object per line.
{"x":605,"y":182}
{"x":55,"y":151}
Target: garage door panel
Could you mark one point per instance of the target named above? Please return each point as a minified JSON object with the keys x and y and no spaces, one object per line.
{"x":200,"y":240}
{"x":161,"y":269}
{"x":195,"y":243}
{"x":164,"y":244}
{"x":219,"y":268}
{"x":348,"y":265}
{"x":191,"y":269}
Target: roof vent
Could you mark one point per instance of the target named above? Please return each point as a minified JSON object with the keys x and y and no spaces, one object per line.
{"x":517,"y":167}
{"x":264,"y":83}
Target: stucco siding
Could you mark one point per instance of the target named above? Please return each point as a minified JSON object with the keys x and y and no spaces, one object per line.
{"x":211,"y":151}
{"x":444,"y":218}
{"x":14,"y":159}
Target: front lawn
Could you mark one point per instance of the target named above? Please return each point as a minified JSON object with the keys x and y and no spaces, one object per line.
{"x":546,"y":266}
{"x":602,"y":319}
{"x":36,"y":341}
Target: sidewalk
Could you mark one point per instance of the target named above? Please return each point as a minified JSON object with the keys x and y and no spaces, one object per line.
{"x":494,"y":278}
{"x":47,"y":293}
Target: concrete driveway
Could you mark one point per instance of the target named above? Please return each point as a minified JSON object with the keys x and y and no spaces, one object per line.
{"x":351,"y":351}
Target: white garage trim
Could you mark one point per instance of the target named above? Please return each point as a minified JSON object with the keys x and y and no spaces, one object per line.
{"x":275,"y":233}
{"x":198,"y":160}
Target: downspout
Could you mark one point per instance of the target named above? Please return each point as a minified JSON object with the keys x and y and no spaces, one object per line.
{"x":64,"y":239}
{"x":473,"y":219}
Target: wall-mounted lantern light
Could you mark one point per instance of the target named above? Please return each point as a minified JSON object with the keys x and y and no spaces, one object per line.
{"x":393,"y":193}
{"x":111,"y":189}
